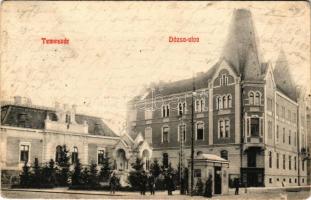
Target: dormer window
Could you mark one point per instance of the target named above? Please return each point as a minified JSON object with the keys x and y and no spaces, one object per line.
{"x":68,"y":119}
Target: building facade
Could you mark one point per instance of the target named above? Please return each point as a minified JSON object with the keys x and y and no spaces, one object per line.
{"x":29,"y":131}
{"x":245,"y":110}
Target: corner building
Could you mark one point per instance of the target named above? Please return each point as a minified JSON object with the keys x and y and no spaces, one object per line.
{"x":245,"y":110}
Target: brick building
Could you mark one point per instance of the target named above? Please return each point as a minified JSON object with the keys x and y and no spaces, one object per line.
{"x":30,"y":131}
{"x":245,"y":110}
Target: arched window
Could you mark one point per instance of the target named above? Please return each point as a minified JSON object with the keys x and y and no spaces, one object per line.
{"x":229,"y":101}
{"x":200,"y":131}
{"x":58,"y":155}
{"x":199,"y":153}
{"x":224,"y":101}
{"x":217,"y":103}
{"x":270,"y":159}
{"x":181,"y":108}
{"x":146,"y":159}
{"x":251,"y":98}
{"x":165,"y":111}
{"x":74,"y":155}
{"x":257,"y":98}
{"x":220,"y":103}
{"x":180,"y":111}
{"x":224,"y":154}
{"x":68,"y":118}
{"x":100,"y":156}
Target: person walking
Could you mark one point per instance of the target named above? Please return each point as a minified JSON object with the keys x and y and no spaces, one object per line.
{"x":113,"y":183}
{"x":237,"y":186}
{"x":170,"y":185}
{"x":208,"y":187}
{"x":151,"y":182}
{"x":143,"y":183}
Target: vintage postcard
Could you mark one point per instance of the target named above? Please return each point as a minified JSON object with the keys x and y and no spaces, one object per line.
{"x":155,"y":99}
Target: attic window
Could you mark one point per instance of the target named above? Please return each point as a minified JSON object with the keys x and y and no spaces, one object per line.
{"x":97,"y":128}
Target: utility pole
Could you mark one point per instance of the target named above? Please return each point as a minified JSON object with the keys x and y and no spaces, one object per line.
{"x":181,"y":154}
{"x":192,"y":136}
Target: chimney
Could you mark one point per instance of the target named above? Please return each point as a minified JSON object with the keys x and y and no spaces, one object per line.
{"x":17,"y":99}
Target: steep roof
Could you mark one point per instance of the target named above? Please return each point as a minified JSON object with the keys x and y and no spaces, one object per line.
{"x":30,"y":117}
{"x":241,"y":48}
{"x":201,"y":81}
{"x":283,"y":77}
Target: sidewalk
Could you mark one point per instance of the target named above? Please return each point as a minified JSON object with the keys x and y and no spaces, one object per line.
{"x":252,"y":190}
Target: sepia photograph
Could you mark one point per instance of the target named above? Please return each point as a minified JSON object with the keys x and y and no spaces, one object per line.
{"x":155,"y":100}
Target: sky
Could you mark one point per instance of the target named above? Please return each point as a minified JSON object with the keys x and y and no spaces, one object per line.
{"x":116,"y":49}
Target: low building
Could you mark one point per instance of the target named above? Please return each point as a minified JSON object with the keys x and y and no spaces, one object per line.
{"x":29,"y":131}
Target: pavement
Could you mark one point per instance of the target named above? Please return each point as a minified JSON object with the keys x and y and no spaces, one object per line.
{"x":63,"y":193}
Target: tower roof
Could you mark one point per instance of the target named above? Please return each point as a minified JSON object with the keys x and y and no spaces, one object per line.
{"x":241,"y":48}
{"x":283,"y":78}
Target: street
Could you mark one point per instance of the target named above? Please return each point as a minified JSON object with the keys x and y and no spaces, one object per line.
{"x":159,"y":195}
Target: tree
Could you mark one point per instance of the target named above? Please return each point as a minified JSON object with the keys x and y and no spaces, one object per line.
{"x":155,"y":168}
{"x":105,"y":170}
{"x":36,"y":176}
{"x":135,"y":176}
{"x":85,"y":175}
{"x":64,"y":165}
{"x":93,"y":178}
{"x":76,"y":177}
{"x":51,"y":172}
{"x":25,"y":178}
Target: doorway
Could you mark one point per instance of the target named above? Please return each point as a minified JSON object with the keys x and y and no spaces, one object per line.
{"x":217,"y":182}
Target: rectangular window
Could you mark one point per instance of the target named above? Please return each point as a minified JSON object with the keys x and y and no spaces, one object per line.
{"x":269,"y":104}
{"x":288,"y":115}
{"x":284,"y":161}
{"x":295,"y":163}
{"x":277,"y":160}
{"x":24,"y":153}
{"x":227,"y":128}
{"x":254,"y":126}
{"x":277,"y":133}
{"x":74,"y":155}
{"x":165,"y":135}
{"x":283,"y":135}
{"x":100,"y":156}
{"x":289,"y":137}
{"x":289,"y":162}
{"x":182,"y":133}
{"x":283,"y":112}
{"x":270,"y":129}
{"x":197,"y":173}
{"x":200,"y":131}
{"x":251,"y":159}
{"x":221,"y":128}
